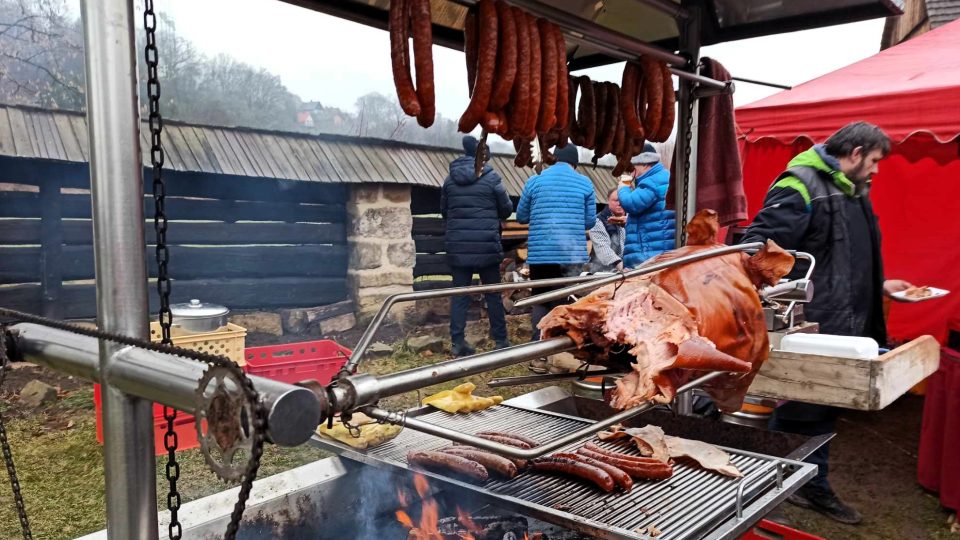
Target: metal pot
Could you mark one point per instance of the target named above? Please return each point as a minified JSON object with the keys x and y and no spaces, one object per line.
{"x":198,"y":317}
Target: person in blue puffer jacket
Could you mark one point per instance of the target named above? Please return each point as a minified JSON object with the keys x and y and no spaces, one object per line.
{"x":560,"y":206}
{"x":650,"y":226}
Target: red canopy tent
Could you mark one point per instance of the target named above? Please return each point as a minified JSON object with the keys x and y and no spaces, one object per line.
{"x":912,"y":91}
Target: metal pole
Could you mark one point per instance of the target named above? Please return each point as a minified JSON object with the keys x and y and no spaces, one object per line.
{"x":117,"y":195}
{"x":293,"y":412}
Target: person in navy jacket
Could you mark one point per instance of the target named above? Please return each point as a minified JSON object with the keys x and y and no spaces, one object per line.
{"x":650,"y":226}
{"x":560,"y":206}
{"x":472,"y":208}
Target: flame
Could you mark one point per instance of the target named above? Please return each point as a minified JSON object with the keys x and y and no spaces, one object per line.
{"x":467,"y":521}
{"x":428,"y":526}
{"x":421,"y":485}
{"x":404,"y":518}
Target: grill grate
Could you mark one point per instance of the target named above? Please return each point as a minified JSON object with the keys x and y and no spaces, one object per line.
{"x":693,"y":504}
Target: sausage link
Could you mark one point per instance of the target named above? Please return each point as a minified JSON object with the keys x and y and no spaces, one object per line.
{"x":516,"y":436}
{"x":611,"y":121}
{"x":563,"y":89}
{"x":619,"y":476}
{"x":499,"y":465}
{"x":506,"y":57}
{"x":635,"y":470}
{"x":520,"y":96}
{"x":486,"y":62}
{"x":449,"y":463}
{"x":423,"y":57}
{"x":470,"y":32}
{"x":669,"y":101}
{"x":524,"y":152}
{"x":586,"y":113}
{"x":533,"y":99}
{"x":569,"y":128}
{"x":400,"y":56}
{"x":653,"y":94}
{"x":575,"y":468}
{"x":629,"y":85}
{"x":508,"y":440}
{"x":600,"y":114}
{"x":548,"y":76}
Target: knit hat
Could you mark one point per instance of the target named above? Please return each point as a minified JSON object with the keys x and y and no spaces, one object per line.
{"x":568,"y":154}
{"x":470,"y":144}
{"x":648,"y":156}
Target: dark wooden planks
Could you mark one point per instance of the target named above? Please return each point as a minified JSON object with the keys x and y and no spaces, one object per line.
{"x":22,"y":204}
{"x":79,"y":300}
{"x":428,"y":265}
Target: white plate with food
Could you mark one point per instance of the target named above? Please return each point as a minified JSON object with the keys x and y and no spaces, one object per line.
{"x":919,"y":294}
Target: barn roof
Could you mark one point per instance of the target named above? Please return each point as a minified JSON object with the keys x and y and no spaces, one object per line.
{"x":30,"y":132}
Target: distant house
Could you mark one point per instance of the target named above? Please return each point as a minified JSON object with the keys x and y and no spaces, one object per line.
{"x":919,"y":16}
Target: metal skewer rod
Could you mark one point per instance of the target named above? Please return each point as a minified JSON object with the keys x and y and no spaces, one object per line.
{"x":514,"y":452}
{"x":549,"y":377}
{"x":367,"y":338}
{"x":593,"y":284}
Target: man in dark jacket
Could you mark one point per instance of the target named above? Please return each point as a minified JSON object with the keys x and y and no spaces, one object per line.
{"x":472,"y":208}
{"x":820,"y":205}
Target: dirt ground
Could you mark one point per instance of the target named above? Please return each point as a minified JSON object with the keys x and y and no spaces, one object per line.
{"x":873,"y":465}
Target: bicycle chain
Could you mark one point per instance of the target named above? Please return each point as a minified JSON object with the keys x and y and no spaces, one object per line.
{"x":8,"y":454}
{"x":260,"y":411}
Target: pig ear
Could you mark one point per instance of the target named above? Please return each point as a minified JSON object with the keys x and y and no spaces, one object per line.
{"x":703,"y":229}
{"x":769,"y":265}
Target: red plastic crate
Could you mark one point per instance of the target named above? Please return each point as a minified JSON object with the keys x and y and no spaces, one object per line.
{"x":184,"y":426}
{"x":295,"y":362}
{"x":768,"y":530}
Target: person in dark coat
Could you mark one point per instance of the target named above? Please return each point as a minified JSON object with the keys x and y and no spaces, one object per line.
{"x":821,"y":205}
{"x":472,"y":208}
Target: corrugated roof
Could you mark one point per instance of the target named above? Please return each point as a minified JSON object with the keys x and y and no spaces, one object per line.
{"x":941,"y":12}
{"x":29,"y":132}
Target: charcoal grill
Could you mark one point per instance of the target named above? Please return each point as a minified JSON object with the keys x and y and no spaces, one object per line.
{"x":693,"y":504}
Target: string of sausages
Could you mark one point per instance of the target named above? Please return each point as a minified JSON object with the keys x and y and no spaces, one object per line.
{"x":520,"y":88}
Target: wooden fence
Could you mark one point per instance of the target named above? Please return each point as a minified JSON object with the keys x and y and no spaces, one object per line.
{"x":228,"y":245}
{"x":428,"y":233}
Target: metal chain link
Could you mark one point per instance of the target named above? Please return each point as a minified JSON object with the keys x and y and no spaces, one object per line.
{"x":259,"y":419}
{"x":687,"y":150}
{"x":170,"y":439}
{"x":7,"y":454}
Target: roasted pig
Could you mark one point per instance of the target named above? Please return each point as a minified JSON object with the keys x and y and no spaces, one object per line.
{"x":699,"y":316}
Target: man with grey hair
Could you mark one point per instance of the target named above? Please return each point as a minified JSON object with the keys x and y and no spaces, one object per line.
{"x":607,"y":236}
{"x":650,"y":226}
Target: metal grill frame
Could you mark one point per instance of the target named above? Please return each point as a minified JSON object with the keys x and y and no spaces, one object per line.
{"x":524,"y":494}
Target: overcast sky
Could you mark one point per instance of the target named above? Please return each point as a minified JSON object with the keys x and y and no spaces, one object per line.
{"x":334,"y":61}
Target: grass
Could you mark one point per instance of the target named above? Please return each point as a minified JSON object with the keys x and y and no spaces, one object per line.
{"x":60,"y":463}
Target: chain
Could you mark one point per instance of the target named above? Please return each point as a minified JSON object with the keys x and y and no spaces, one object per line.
{"x":170,"y":440}
{"x":7,"y":454}
{"x":687,"y":150}
{"x":260,"y":411}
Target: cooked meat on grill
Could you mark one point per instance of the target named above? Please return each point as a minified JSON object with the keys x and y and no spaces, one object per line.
{"x":521,"y":438}
{"x":579,"y":469}
{"x":498,"y":465}
{"x":665,"y":447}
{"x":619,"y":476}
{"x":699,"y":316}
{"x":449,"y":464}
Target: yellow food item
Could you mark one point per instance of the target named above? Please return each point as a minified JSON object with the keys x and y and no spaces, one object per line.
{"x":371,"y":433}
{"x":461,"y":400}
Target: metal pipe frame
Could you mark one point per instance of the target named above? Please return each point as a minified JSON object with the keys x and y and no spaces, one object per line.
{"x":116,"y":191}
{"x":599,"y":282}
{"x":355,"y":391}
{"x":670,"y":8}
{"x":367,"y":338}
{"x":519,"y":453}
{"x":293,"y":412}
{"x":550,"y":377}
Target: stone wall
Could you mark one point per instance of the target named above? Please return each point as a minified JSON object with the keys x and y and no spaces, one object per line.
{"x":382,"y":252}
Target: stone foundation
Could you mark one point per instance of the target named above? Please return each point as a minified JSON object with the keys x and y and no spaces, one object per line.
{"x":382,"y":252}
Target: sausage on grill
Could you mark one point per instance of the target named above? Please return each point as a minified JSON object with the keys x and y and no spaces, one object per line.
{"x":449,"y":463}
{"x":571,"y":467}
{"x":619,"y":475}
{"x":532,"y":443}
{"x":657,"y":471}
{"x":498,"y":465}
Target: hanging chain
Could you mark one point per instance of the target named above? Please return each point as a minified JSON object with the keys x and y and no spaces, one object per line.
{"x":682,"y":212}
{"x":7,"y":454}
{"x":170,"y":441}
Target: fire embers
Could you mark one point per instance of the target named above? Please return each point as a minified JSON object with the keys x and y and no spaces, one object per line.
{"x":462,"y":526}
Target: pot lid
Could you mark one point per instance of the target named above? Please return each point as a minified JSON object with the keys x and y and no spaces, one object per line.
{"x":195,"y":309}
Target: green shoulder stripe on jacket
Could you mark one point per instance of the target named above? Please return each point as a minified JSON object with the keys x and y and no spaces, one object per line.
{"x":795,"y":184}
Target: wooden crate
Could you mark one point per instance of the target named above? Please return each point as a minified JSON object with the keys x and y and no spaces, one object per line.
{"x":866,"y":385}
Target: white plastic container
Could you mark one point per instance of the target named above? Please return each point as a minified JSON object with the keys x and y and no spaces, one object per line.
{"x":863,"y":348}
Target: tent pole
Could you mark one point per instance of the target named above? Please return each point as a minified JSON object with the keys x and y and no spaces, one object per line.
{"x":116,"y":190}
